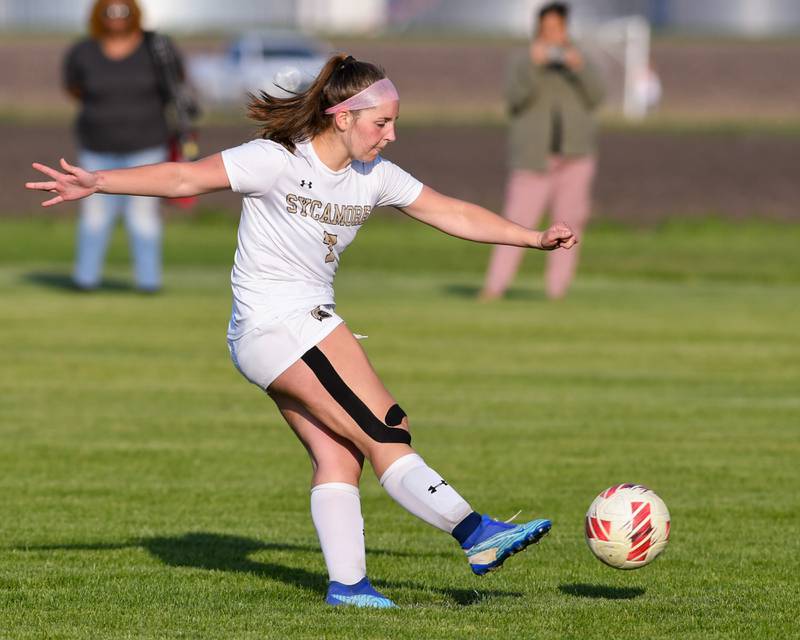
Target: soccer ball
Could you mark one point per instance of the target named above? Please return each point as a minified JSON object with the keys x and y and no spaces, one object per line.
{"x":627,"y":526}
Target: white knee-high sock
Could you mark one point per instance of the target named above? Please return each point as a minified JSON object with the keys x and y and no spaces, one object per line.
{"x":423,"y":492}
{"x":336,"y":512}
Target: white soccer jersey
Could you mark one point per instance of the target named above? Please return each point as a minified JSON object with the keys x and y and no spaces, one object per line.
{"x":298,"y":216}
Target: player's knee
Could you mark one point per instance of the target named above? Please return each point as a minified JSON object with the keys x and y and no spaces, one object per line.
{"x":396,"y":417}
{"x":386,"y":430}
{"x":394,"y":420}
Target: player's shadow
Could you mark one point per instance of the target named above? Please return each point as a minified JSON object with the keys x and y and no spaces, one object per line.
{"x":64,"y":282}
{"x":472,"y":291}
{"x":600,"y":591}
{"x":221,"y":552}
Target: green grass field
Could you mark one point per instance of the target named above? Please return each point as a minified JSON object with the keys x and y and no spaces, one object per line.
{"x":149,"y":492}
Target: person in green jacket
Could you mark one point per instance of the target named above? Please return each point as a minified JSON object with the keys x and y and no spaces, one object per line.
{"x":552,"y":93}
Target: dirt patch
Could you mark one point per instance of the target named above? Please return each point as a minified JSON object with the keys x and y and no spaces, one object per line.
{"x":643,"y":177}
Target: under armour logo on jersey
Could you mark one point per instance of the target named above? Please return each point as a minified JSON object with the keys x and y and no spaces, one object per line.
{"x":304,"y":183}
{"x":433,"y":488}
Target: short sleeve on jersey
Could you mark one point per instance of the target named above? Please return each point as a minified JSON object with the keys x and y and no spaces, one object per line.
{"x":254,"y":166}
{"x":398,"y":187}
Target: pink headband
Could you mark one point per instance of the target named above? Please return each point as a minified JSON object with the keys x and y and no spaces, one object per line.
{"x":377,"y":93}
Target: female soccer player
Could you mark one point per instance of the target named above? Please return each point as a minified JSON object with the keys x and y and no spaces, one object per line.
{"x":308,"y":184}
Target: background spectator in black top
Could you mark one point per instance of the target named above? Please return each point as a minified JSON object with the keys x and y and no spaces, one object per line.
{"x":122,"y":122}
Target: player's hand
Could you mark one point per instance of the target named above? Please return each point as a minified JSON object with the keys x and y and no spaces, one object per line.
{"x":558,"y":236}
{"x":72,"y":185}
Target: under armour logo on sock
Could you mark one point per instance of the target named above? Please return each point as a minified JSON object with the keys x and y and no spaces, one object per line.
{"x":303,"y":183}
{"x":433,"y":488}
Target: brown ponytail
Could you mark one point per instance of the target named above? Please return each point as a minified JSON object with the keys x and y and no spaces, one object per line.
{"x":300,"y":117}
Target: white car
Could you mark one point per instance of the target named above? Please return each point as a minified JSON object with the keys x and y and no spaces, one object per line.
{"x":277,"y":62}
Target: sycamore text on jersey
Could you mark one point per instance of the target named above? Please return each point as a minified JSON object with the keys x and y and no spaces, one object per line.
{"x":346,"y":215}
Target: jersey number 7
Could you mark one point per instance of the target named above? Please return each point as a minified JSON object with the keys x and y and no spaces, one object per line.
{"x":329,"y":239}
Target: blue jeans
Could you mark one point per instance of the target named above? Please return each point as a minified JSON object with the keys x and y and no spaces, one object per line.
{"x":99,"y":212}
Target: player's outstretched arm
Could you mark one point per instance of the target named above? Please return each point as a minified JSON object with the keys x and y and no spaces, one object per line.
{"x":471,"y":222}
{"x":166,"y":179}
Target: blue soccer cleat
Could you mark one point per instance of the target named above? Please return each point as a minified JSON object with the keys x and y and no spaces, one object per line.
{"x":493,"y":542}
{"x":360,"y":594}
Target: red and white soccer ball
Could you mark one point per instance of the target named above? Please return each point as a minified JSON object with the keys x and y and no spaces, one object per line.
{"x":627,"y":526}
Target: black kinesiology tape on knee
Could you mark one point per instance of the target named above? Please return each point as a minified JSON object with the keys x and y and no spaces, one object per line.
{"x":351,"y":403}
{"x":394,"y":415}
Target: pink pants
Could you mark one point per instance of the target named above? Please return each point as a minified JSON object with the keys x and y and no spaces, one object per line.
{"x":566,"y":187}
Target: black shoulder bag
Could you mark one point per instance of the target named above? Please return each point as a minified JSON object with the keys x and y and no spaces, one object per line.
{"x":184,"y":109}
